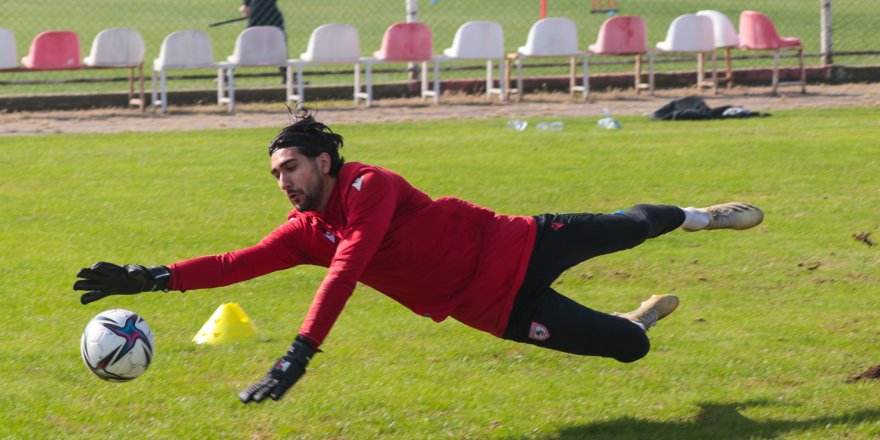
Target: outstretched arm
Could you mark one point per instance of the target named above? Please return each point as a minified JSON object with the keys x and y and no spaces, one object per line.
{"x":273,"y":253}
{"x":369,"y":210}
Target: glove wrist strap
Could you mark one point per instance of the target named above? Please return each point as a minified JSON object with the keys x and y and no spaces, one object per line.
{"x":161,"y":277}
{"x":300,"y":351}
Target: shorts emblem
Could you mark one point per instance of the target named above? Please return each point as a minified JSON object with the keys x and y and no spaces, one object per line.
{"x":538,"y":332}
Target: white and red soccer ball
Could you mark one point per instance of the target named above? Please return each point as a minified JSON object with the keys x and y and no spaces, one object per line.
{"x":118,"y":345}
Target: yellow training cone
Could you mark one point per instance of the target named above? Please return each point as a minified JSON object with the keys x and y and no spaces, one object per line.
{"x":229,"y":323}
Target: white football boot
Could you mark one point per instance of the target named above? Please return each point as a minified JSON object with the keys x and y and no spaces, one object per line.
{"x":651,"y":310}
{"x":733,"y":215}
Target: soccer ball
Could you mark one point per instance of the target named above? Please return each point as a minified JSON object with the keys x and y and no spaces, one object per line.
{"x":117,"y":345}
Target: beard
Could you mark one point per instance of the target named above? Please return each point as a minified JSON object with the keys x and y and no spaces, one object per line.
{"x":308,"y":203}
{"x":309,"y":195}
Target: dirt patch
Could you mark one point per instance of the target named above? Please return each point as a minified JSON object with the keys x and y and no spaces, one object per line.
{"x":870,"y":373}
{"x":546,"y":105}
{"x":864,"y":237}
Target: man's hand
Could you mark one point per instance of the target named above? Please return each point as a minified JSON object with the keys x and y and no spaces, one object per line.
{"x":104,"y":279}
{"x":283,"y":375}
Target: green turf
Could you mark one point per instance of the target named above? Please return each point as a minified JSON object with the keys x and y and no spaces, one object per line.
{"x":772,"y":323}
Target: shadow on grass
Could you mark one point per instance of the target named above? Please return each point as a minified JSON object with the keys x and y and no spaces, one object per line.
{"x":711,"y":422}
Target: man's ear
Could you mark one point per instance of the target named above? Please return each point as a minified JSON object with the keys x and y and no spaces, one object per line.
{"x":324,"y":163}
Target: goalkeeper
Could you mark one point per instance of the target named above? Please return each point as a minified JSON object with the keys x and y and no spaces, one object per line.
{"x":439,"y":258}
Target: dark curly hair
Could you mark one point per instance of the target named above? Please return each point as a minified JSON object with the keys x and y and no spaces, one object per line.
{"x":310,"y":137}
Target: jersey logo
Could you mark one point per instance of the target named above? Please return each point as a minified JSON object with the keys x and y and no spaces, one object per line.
{"x":357,"y":183}
{"x":539,"y":332}
{"x":329,"y":236}
{"x":556,"y":225}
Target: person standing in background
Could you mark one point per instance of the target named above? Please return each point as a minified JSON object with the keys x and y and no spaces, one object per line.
{"x":262,"y":13}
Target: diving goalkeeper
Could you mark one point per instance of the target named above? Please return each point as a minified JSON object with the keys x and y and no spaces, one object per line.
{"x":439,"y":258}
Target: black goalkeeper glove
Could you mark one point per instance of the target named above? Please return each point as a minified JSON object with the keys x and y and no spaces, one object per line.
{"x":105,"y":279}
{"x":283,"y":375}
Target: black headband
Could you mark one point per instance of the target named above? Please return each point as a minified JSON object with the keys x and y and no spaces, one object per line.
{"x":305,"y":140}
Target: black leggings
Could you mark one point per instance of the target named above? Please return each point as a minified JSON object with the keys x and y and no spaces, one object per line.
{"x":543,"y":317}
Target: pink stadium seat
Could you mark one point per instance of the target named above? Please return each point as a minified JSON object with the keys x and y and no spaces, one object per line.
{"x":406,"y":42}
{"x":401,"y":43}
{"x":622,"y":35}
{"x":757,"y":32}
{"x":625,"y":35}
{"x":53,"y":50}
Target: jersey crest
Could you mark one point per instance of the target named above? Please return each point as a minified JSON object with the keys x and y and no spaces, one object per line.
{"x":357,"y":183}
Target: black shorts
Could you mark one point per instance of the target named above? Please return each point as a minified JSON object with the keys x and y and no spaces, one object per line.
{"x":543,"y":317}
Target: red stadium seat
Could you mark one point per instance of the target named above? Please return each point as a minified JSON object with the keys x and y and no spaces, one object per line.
{"x":401,"y":43}
{"x":53,"y":50}
{"x":625,"y":35}
{"x":406,"y":42}
{"x":757,"y":32}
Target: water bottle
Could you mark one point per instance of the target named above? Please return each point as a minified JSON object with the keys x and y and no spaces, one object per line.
{"x":550,"y":126}
{"x":517,"y":125}
{"x":608,"y":121}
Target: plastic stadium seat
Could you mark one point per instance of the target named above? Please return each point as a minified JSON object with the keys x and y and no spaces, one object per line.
{"x":53,"y":50}
{"x":476,"y":40}
{"x":181,"y":50}
{"x":693,"y":33}
{"x":401,"y":43}
{"x":333,"y":43}
{"x":406,"y":42}
{"x":8,"y":51}
{"x":623,"y":35}
{"x":117,"y":47}
{"x":257,"y":46}
{"x":723,"y":30}
{"x":551,"y":38}
{"x":120,"y":47}
{"x":757,"y":32}
{"x":726,"y":38}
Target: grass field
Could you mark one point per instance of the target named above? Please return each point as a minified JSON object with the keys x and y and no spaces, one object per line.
{"x":773,"y":320}
{"x":855,"y":29}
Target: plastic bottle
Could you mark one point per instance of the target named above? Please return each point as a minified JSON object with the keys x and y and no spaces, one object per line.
{"x":550,"y":126}
{"x":518,"y":125}
{"x":608,"y":121}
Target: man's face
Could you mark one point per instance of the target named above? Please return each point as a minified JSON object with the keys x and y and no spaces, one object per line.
{"x":303,"y":179}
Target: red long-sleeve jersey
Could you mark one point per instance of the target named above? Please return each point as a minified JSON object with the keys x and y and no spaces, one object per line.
{"x":439,"y":258}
